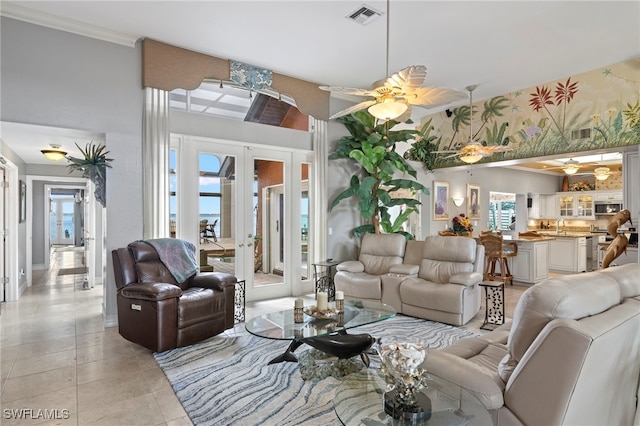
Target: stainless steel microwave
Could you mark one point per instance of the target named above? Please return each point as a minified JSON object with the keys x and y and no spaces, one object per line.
{"x":608,"y":208}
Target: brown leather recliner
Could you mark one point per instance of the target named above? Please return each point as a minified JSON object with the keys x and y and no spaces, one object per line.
{"x":159,"y":313}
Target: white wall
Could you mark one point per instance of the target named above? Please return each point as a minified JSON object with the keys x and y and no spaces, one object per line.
{"x":53,"y":78}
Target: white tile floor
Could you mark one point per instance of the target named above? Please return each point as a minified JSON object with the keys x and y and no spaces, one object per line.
{"x":56,"y":355}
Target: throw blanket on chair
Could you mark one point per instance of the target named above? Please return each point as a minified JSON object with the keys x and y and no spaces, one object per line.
{"x":179,"y":256}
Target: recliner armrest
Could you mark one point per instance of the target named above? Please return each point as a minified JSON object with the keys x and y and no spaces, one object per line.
{"x":466,"y":278}
{"x":213,"y":280}
{"x":351,"y":266}
{"x":404,"y":269}
{"x":151,"y":291}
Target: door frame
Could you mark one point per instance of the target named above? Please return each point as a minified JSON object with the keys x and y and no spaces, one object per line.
{"x":61,"y":180}
{"x":12,"y":218}
{"x":59,"y":203}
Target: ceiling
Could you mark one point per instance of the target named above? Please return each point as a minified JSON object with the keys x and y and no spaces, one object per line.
{"x":501,"y":46}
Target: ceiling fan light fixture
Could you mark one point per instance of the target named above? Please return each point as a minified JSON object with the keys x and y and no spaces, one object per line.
{"x":571,"y":169}
{"x":470,"y":158}
{"x":54,"y":154}
{"x":602,"y":173}
{"x":388,"y":109}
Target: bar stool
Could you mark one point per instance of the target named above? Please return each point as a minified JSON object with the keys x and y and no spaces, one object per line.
{"x":497,"y":252}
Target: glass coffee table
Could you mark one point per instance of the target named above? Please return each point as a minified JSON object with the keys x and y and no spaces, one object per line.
{"x":358,"y":401}
{"x":327,"y":334}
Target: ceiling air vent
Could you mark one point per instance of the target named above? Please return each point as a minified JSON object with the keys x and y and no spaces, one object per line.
{"x":364,"y":15}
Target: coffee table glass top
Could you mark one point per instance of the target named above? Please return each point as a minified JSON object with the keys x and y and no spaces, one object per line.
{"x":280,"y":325}
{"x":358,"y":401}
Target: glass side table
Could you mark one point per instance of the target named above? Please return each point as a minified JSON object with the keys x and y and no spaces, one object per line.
{"x":358,"y":401}
{"x":323,"y":277}
{"x":494,"y":304}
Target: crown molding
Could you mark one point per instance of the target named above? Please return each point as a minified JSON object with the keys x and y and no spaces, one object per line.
{"x":21,"y":13}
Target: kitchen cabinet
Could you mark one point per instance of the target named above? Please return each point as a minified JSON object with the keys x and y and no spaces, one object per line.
{"x":631,"y":177}
{"x":543,"y":206}
{"x":568,"y":254}
{"x":531,"y":265}
{"x":608,"y":196}
{"x":576,"y":205}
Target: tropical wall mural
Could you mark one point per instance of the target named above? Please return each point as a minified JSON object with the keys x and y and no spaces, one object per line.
{"x":585,"y":112}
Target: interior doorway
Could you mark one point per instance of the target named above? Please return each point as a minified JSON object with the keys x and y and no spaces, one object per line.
{"x":3,"y":227}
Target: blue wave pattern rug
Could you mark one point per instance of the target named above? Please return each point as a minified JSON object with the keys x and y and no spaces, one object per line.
{"x":226,"y":380}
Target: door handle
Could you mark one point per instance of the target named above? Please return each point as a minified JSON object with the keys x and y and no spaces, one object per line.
{"x":277,"y":226}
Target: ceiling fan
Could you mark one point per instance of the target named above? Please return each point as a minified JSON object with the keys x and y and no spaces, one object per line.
{"x":473,"y":151}
{"x":393,"y":96}
{"x":571,"y":167}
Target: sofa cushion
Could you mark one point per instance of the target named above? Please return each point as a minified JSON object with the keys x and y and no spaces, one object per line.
{"x":359,"y":285}
{"x":440,"y":271}
{"x":567,"y":296}
{"x":627,"y":276}
{"x":379,"y":251}
{"x":432,"y":296}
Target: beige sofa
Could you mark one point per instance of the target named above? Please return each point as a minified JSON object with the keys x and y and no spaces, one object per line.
{"x":435,"y":279}
{"x":570,"y":356}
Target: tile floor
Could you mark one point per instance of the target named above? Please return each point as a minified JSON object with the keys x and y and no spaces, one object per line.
{"x":57,"y":356}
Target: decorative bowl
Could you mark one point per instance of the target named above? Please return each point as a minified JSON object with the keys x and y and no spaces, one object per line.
{"x":328,"y":313}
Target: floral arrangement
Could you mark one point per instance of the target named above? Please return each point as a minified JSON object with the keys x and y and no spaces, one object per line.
{"x":582,"y":186}
{"x":462,"y":224}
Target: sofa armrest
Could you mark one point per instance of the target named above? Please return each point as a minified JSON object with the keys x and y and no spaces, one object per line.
{"x":480,"y":381}
{"x":466,"y":278}
{"x":404,"y":269}
{"x":213,"y":280}
{"x":351,"y":266}
{"x":151,"y":291}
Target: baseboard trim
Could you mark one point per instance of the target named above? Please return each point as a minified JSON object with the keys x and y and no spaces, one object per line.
{"x":39,"y":267}
{"x":110,"y":321}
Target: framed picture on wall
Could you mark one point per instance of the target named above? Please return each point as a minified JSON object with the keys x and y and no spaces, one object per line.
{"x":473,"y":201}
{"x":23,"y":201}
{"x":440,"y":200}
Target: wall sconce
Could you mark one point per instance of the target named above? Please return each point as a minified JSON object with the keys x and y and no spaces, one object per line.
{"x":458,"y":201}
{"x":54,"y":154}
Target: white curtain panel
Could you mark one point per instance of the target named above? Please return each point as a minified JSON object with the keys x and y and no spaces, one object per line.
{"x":321,"y":204}
{"x":155,"y":154}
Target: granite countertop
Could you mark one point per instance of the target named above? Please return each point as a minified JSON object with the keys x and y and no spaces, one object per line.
{"x":571,"y":234}
{"x":529,"y":239}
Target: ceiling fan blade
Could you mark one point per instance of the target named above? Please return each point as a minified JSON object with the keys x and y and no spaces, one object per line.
{"x":350,"y":91}
{"x":434,"y":96}
{"x":411,"y":77}
{"x":354,"y":108}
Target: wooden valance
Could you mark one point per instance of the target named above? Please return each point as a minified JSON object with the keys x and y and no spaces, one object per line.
{"x":168,"y":67}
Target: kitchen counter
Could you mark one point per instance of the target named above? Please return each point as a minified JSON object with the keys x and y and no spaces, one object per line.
{"x":531,"y":239}
{"x":571,"y":234}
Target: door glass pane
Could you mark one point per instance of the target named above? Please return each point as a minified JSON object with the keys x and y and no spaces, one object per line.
{"x":304,"y":223}
{"x":173,"y":188}
{"x":68,"y":220}
{"x":216,"y":218}
{"x":270,"y":228}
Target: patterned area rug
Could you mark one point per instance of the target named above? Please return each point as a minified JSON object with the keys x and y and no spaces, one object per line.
{"x":226,"y":380}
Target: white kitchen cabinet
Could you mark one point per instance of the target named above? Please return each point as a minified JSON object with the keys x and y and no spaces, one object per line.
{"x":543,"y":206}
{"x":548,"y":206}
{"x":631,"y":189}
{"x":568,"y":254}
{"x":576,"y":205}
{"x":531,"y":265}
{"x":609,"y":196}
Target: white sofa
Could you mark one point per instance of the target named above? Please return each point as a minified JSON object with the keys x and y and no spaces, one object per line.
{"x":435,"y":279}
{"x":570,"y":356}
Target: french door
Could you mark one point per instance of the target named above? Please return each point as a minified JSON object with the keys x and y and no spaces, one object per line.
{"x":247,"y":209}
{"x":62,"y":220}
